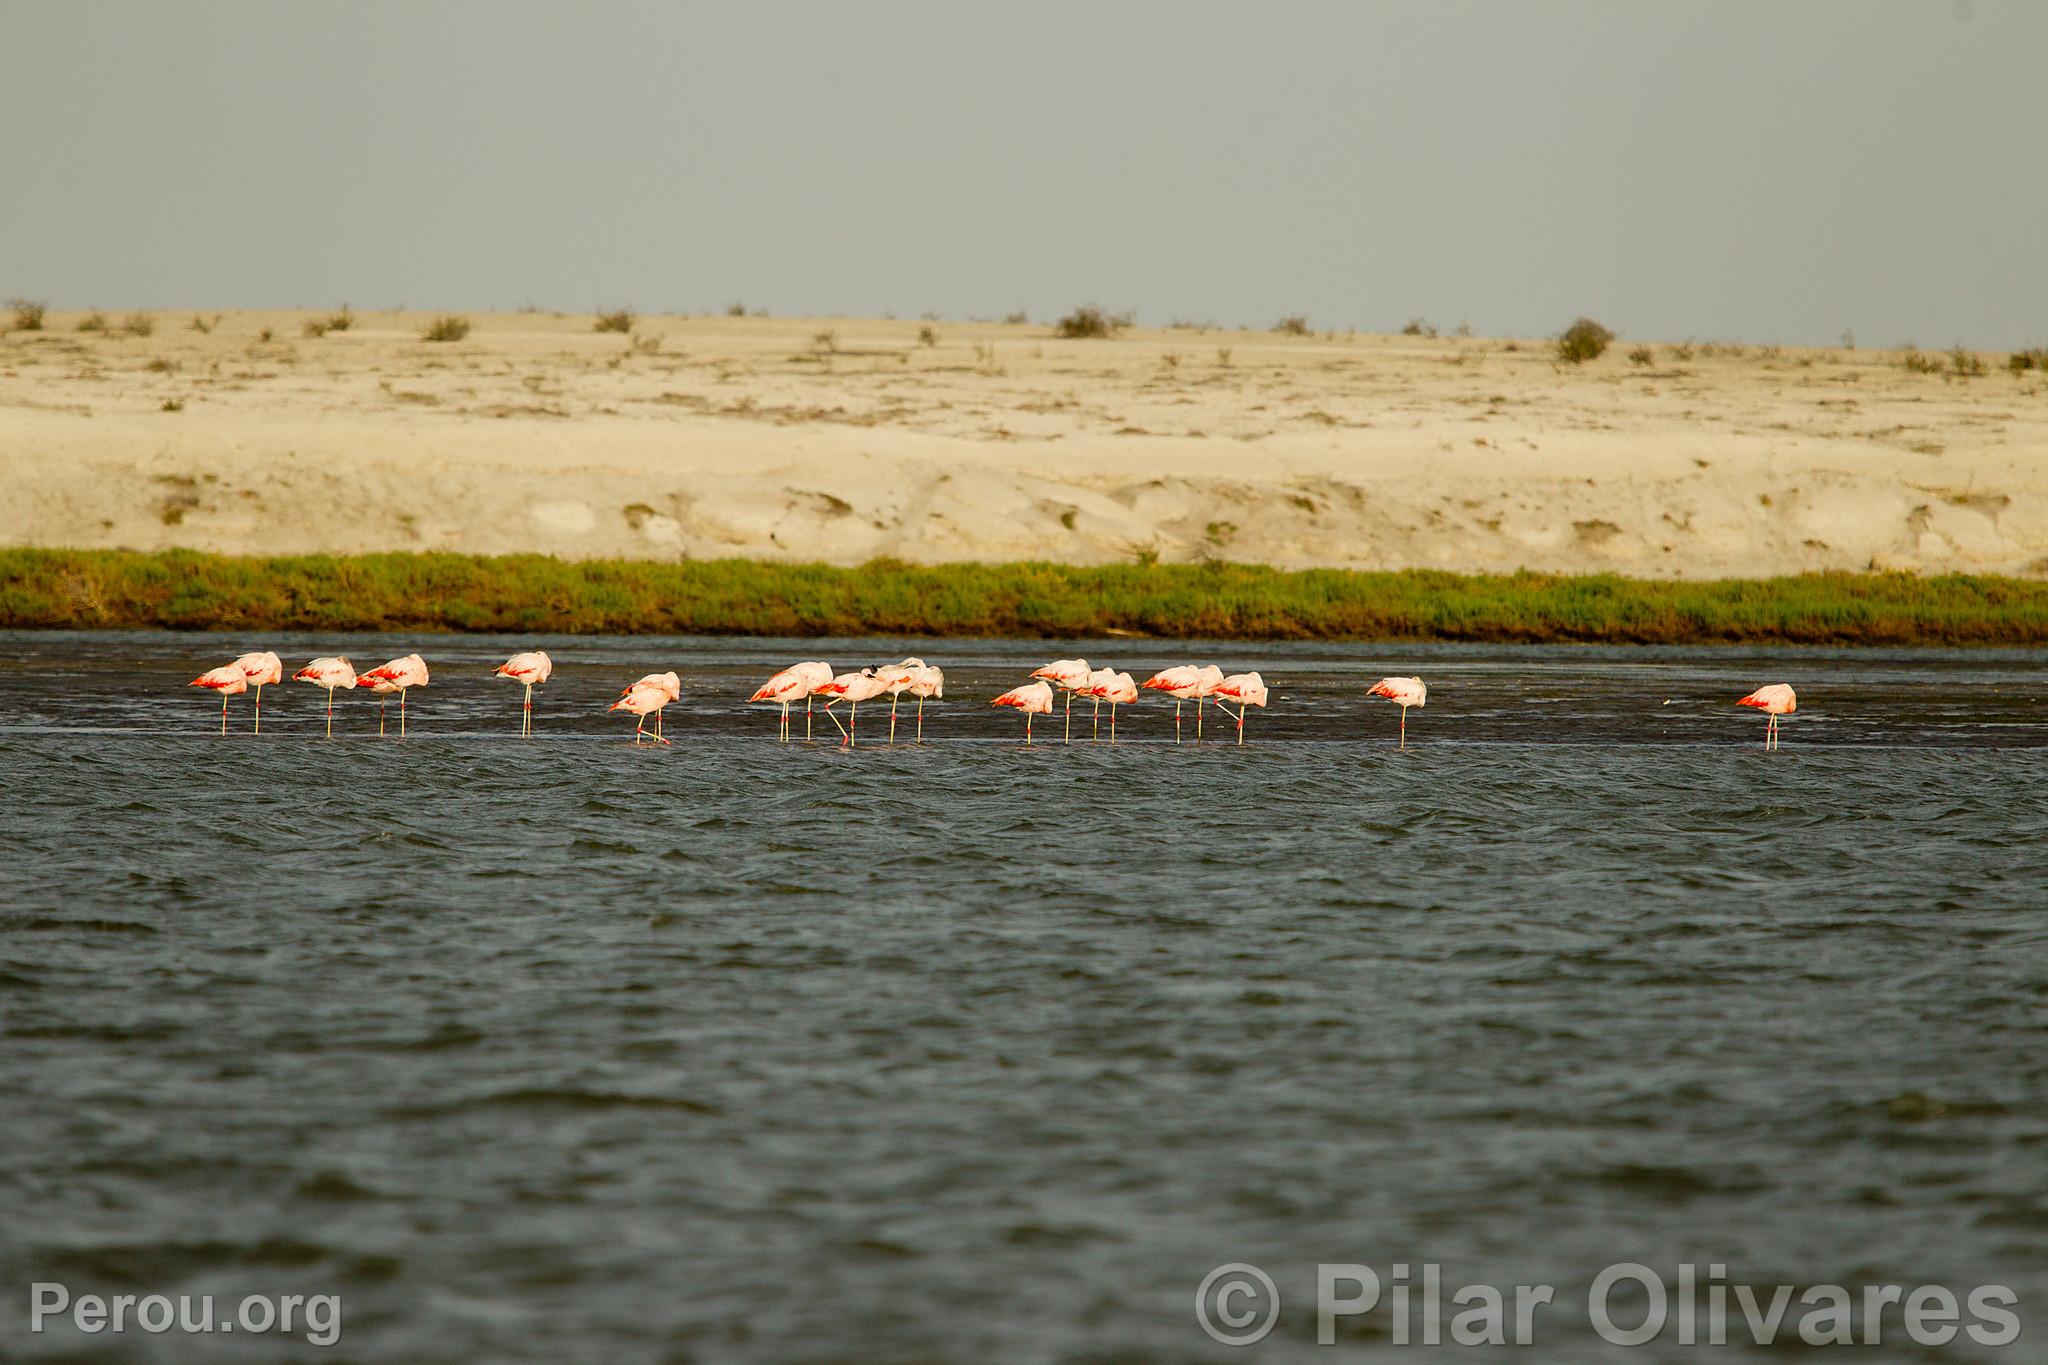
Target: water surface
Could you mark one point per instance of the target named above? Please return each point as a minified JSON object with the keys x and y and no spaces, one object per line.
{"x":565,"y":1049}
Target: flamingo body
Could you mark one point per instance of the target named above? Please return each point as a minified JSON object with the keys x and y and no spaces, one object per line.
{"x":797,"y":683}
{"x":853,"y":688}
{"x":1404,"y":693}
{"x":530,"y":669}
{"x":1774,"y":700}
{"x":646,"y":698}
{"x":1246,"y":689}
{"x":1033,"y":699}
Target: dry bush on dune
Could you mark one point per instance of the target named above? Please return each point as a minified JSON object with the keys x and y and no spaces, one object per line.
{"x":447,"y":327}
{"x":1584,"y":340}
{"x":138,"y":325}
{"x":95,"y":321}
{"x":1293,"y":325}
{"x":1091,"y":321}
{"x":1419,"y":327}
{"x":28,"y":314}
{"x":619,"y":320}
{"x":2034,"y":358}
{"x":333,"y":322}
{"x":1642,"y":355}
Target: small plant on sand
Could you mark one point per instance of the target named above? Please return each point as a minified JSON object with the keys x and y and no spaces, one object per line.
{"x":927,"y":336}
{"x":173,"y":405}
{"x":826,"y":343}
{"x":619,"y":320}
{"x":1017,"y":319}
{"x":28,"y":314}
{"x":1642,"y":355}
{"x":265,"y":335}
{"x":447,"y":327}
{"x":138,"y":325}
{"x":645,"y":345}
{"x":1584,"y":340}
{"x":1223,"y":357}
{"x":2035,"y":358}
{"x":1682,"y":351}
{"x":1171,"y":360}
{"x":735,"y":310}
{"x":1293,"y":325}
{"x":1917,"y":363}
{"x":1966,"y":364}
{"x":95,"y":321}
{"x":333,"y":322}
{"x":1418,"y":327}
{"x":202,"y":325}
{"x":1091,"y":322}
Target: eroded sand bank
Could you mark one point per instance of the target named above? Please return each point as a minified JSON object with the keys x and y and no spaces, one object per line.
{"x":846,"y":440}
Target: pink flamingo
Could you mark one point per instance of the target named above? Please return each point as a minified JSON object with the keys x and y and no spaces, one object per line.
{"x":531,"y":668}
{"x":854,"y":688}
{"x":1033,"y":699}
{"x":1117,"y":689}
{"x":795,"y":683}
{"x":1069,"y":676}
{"x":1099,"y":679}
{"x":260,"y":669}
{"x":400,"y":676}
{"x":1246,"y":689}
{"x":227,"y":680}
{"x":1183,"y":683}
{"x":896,"y":680}
{"x":929,"y":685}
{"x":647,"y":697}
{"x":331,"y":672}
{"x":1403,"y":692}
{"x":1776,"y":700}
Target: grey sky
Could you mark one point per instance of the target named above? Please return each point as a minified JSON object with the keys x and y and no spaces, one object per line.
{"x":1756,"y":171}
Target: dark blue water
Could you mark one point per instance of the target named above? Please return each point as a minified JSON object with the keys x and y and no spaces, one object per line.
{"x":568,"y":1050}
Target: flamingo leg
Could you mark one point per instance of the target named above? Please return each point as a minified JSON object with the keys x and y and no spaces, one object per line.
{"x":833,"y":716}
{"x":1404,"y":727}
{"x":401,"y":712}
{"x":1176,"y":720}
{"x":1070,"y":718}
{"x":1240,"y":722}
{"x":1112,"y":722}
{"x":383,"y":704}
{"x":852,"y":722}
{"x":807,"y":719}
{"x":782,"y":730}
{"x":1027,"y":729}
{"x":330,"y":713}
{"x":223,"y":713}
{"x":920,"y":720}
{"x":526,"y":714}
{"x":259,"y":708}
{"x":892,"y":716}
{"x":1096,"y":733}
{"x":1198,"y":720}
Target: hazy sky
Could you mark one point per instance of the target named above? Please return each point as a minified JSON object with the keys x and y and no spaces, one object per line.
{"x":1760,"y":171}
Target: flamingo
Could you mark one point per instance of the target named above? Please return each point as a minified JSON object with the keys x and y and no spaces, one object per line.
{"x":896,"y":680}
{"x":1403,"y":692}
{"x":854,"y":688}
{"x":400,"y":675}
{"x":259,"y":669}
{"x":1207,"y":679}
{"x":330,"y":673}
{"x":1033,"y":699}
{"x":531,"y":668}
{"x":1182,"y":682}
{"x":1116,"y":689}
{"x":1098,"y":680}
{"x":1246,"y":689}
{"x":929,"y":685}
{"x":227,"y":680}
{"x":1069,"y":676}
{"x":1778,"y":699}
{"x":797,"y":682}
{"x":647,"y":697}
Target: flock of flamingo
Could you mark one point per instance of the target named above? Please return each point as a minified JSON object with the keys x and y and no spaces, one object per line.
{"x":1203,"y":685}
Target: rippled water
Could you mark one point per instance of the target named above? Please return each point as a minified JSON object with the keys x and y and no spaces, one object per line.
{"x":740,"y":1051}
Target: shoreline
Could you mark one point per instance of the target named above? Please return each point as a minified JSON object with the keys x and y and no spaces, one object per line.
{"x":42,"y":589}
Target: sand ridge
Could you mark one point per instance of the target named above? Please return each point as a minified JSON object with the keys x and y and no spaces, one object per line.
{"x":846,"y":440}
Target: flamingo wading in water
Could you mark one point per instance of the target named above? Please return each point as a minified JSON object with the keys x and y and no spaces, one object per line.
{"x":896,"y":680}
{"x":1182,"y":682}
{"x":1778,"y":699}
{"x":853,"y":688}
{"x":400,"y":676}
{"x":929,"y":685}
{"x":647,"y":697}
{"x":330,"y":673}
{"x":1118,"y":689}
{"x":227,"y":680}
{"x":259,"y":669}
{"x":1033,"y":699}
{"x":532,"y":669}
{"x":796,"y":683}
{"x":1403,"y":692}
{"x":1069,"y":676}
{"x":1246,"y":689}
{"x":1207,"y":679}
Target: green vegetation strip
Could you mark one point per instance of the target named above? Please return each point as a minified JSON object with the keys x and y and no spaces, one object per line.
{"x":181,"y":590}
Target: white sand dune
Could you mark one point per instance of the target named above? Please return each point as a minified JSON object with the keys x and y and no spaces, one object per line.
{"x":766,"y":438}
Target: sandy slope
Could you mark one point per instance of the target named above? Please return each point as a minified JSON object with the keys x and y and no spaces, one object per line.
{"x":753,"y":436}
